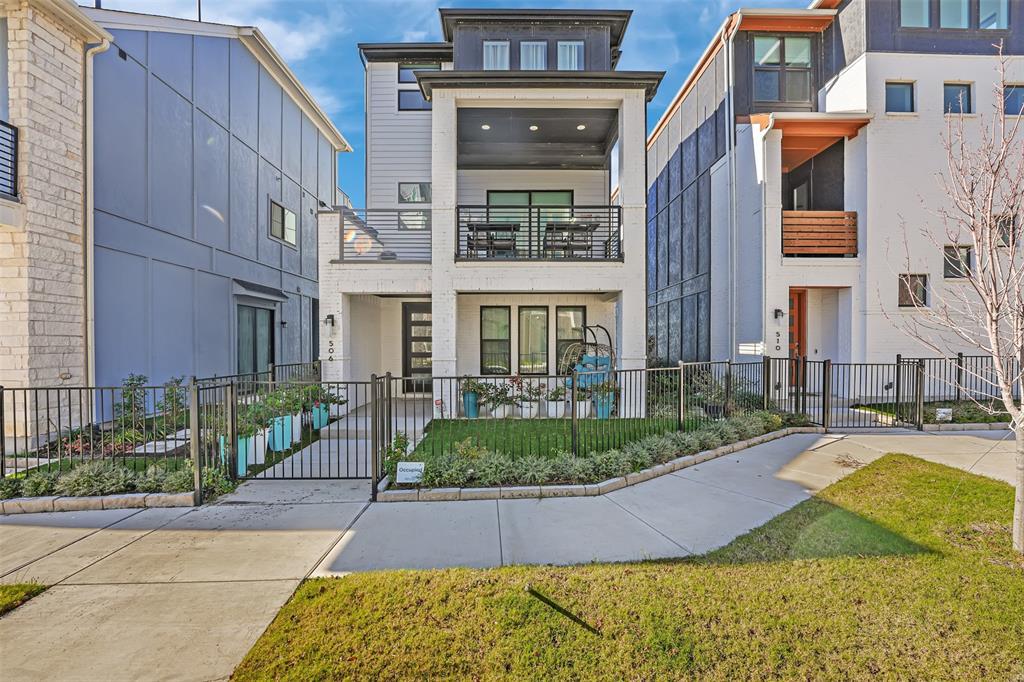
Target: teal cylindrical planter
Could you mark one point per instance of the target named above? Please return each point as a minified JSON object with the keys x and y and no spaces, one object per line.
{"x":320,"y":415}
{"x":242,"y":453}
{"x":471,"y":404}
{"x":280,"y":433}
{"x":603,"y":405}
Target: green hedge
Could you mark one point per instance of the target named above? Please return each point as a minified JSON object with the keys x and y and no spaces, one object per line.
{"x":473,"y":466}
{"x":102,"y":477}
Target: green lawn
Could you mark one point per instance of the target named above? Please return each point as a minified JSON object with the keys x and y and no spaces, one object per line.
{"x":902,"y":570}
{"x":13,"y":596}
{"x":540,"y":436}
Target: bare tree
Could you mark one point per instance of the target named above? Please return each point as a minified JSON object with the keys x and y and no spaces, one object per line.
{"x":983,"y":237}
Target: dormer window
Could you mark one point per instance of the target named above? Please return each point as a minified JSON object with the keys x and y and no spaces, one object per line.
{"x":495,"y":55}
{"x":533,"y":55}
{"x":782,"y":68}
{"x":570,"y":55}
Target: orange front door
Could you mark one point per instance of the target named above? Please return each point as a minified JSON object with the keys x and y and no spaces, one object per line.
{"x":797,"y":323}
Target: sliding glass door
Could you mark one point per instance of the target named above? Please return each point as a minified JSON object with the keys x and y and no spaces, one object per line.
{"x":255,"y":339}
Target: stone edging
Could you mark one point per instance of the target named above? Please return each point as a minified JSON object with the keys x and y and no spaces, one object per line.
{"x":54,"y":503}
{"x":987,"y":426}
{"x":583,"y":490}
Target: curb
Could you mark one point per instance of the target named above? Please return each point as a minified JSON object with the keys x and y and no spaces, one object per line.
{"x":985,"y":426}
{"x":535,"y":492}
{"x":37,"y":505}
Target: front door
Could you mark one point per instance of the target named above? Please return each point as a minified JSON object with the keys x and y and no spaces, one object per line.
{"x":417,"y":347}
{"x":797,"y":328}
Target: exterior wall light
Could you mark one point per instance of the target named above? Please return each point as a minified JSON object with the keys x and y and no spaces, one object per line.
{"x":485,"y":126}
{"x":581,"y":127}
{"x":329,"y":320}
{"x":779,"y":313}
{"x":534,"y":128}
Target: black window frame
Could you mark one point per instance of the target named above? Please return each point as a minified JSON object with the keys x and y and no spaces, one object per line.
{"x":519,"y":339}
{"x":934,"y":18}
{"x":427,"y":104}
{"x":507,"y":341}
{"x":284,"y":215}
{"x":508,"y":54}
{"x":969,"y":99}
{"x":928,"y":17}
{"x":904,"y":287}
{"x":972,"y":17}
{"x":782,"y":69}
{"x":409,"y":69}
{"x":559,"y":341}
{"x":272,"y":340}
{"x":913,"y":96}
{"x":1016,"y":88}
{"x":429,"y":193}
{"x":1007,"y":227}
{"x":957,"y":267}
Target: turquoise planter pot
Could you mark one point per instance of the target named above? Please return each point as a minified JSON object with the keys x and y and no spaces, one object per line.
{"x":320,"y":416}
{"x":280,"y":437}
{"x":603,"y":405}
{"x":471,"y":405}
{"x":242,"y":449}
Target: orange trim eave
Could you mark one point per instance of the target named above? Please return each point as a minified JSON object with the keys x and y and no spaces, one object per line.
{"x":786,"y":24}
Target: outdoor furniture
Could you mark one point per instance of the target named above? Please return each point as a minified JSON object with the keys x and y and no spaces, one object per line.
{"x":569,"y":239}
{"x":491,"y":239}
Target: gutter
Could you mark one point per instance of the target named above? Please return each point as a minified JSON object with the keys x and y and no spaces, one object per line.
{"x":730,"y":141}
{"x":764,"y":232}
{"x":88,"y":210}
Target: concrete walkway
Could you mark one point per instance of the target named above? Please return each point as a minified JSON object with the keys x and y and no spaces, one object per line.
{"x":184,"y":593}
{"x":691,"y":511}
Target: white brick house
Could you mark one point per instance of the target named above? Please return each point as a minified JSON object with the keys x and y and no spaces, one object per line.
{"x":490,"y":237}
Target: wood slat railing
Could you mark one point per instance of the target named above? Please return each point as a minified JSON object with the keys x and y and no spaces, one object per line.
{"x":819,"y":233}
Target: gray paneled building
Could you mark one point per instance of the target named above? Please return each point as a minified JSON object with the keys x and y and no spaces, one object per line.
{"x":210,"y":163}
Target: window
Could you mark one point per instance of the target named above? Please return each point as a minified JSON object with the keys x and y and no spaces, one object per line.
{"x":407,"y":72}
{"x":953,"y":14}
{"x":414,"y":192}
{"x":782,"y":68}
{"x":957,"y":261}
{"x":255,"y":339}
{"x":495,"y":55}
{"x":993,"y":14}
{"x":414,"y":220}
{"x":533,"y":55}
{"x":1008,"y":229}
{"x":913,"y":291}
{"x":495,"y":340}
{"x":956,"y":98}
{"x":570,"y":55}
{"x":314,"y":328}
{"x":569,"y":323}
{"x":412,"y":100}
{"x":914,"y":13}
{"x":899,"y":98}
{"x":282,"y":223}
{"x":1013,"y":97}
{"x":533,"y":340}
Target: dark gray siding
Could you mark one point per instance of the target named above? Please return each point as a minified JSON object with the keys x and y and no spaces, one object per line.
{"x":884,"y":33}
{"x":468,"y":41}
{"x":192,"y":139}
{"x":844,"y":40}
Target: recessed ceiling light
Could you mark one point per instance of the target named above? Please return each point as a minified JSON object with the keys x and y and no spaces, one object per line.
{"x":486,"y":126}
{"x":581,"y":127}
{"x":534,"y":127}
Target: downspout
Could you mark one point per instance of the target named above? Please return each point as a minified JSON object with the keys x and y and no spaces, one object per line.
{"x":88,"y":215}
{"x":730,"y":142}
{"x":764,"y":231}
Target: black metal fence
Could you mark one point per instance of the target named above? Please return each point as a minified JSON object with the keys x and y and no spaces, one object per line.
{"x":8,"y":159}
{"x":382,"y":234}
{"x":579,"y":233}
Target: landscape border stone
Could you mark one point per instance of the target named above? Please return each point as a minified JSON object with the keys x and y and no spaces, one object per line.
{"x":56,"y":503}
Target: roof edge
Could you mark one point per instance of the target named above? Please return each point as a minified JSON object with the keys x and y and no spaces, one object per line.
{"x":648,"y":80}
{"x":76,"y":18}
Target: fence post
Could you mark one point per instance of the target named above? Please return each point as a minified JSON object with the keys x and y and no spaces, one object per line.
{"x":374,"y":439}
{"x":726,"y":409}
{"x":682,"y":397}
{"x":231,"y":447}
{"x":388,"y":426}
{"x":3,"y":436}
{"x":766,"y":381}
{"x":919,"y":395}
{"x":573,"y":426}
{"x":194,"y":442}
{"x":826,"y":394}
{"x":899,"y":386}
{"x":959,"y":376}
{"x":272,"y":368}
{"x":802,"y":386}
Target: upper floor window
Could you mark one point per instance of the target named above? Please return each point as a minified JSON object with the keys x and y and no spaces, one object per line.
{"x":412,"y":100}
{"x":570,"y":55}
{"x":1013,"y":98}
{"x":957,"y":261}
{"x":533,"y":55}
{"x":914,"y":13}
{"x":993,"y":14}
{"x":282,"y":223}
{"x":913,"y":291}
{"x":899,"y":98}
{"x":953,"y":14}
{"x":407,"y":72}
{"x":956,"y":98}
{"x":495,"y":55}
{"x":414,"y":192}
{"x":782,"y":68}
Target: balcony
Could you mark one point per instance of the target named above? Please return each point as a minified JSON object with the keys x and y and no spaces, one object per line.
{"x":538,"y":233}
{"x":8,"y":160}
{"x":385,"y":235}
{"x":819,"y":233}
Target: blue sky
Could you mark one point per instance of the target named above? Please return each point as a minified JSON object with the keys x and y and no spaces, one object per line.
{"x":318,"y":40}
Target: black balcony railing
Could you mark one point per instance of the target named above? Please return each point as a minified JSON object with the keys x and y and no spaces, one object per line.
{"x":8,"y":159}
{"x":385,"y":234}
{"x":552,"y":233}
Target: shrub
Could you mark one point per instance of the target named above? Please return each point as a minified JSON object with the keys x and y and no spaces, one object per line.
{"x":568,"y":468}
{"x":532,"y":470}
{"x":96,"y":478}
{"x":179,"y":481}
{"x":215,"y":484}
{"x":39,"y":484}
{"x":10,"y":487}
{"x":494,"y":468}
{"x":152,"y":481}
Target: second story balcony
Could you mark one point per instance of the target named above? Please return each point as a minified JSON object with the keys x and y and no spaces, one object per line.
{"x":384,"y":235}
{"x":532,"y":233}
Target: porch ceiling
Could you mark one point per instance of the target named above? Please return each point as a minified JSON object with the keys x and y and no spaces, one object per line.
{"x":805,"y":135}
{"x":503,"y":139}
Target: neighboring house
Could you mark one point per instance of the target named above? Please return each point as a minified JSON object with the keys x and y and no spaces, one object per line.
{"x":490,"y":235}
{"x":790,"y":176}
{"x":159,"y":182}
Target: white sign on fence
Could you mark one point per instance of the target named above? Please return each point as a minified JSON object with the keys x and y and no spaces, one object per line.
{"x":409,"y":472}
